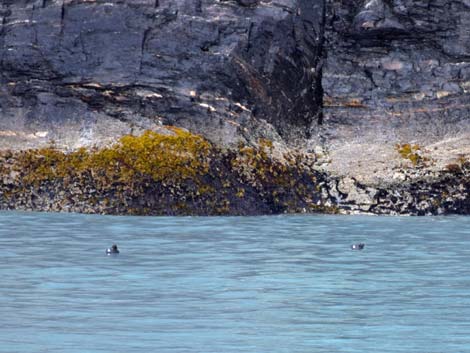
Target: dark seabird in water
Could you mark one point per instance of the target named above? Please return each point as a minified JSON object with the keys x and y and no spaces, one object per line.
{"x":359,"y":246}
{"x":112,"y":250}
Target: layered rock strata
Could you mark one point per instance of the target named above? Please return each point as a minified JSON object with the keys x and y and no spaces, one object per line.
{"x":397,"y":71}
{"x":80,"y":72}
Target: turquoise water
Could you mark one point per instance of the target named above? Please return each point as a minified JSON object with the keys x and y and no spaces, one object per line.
{"x":249,"y":284}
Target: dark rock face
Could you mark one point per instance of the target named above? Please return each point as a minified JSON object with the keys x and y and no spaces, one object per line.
{"x":397,"y":70}
{"x":82,"y":72}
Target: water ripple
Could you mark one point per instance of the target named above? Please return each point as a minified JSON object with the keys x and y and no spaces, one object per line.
{"x":237,"y":284}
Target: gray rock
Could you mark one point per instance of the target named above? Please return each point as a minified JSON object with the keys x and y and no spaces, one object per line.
{"x":84,"y":72}
{"x":356,"y":194}
{"x":405,"y":61}
{"x":88,"y":71}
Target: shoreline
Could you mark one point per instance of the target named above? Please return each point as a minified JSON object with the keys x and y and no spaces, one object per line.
{"x":156,"y":174}
{"x":182,"y":174}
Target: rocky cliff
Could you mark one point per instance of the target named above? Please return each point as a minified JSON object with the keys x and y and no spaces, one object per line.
{"x":83,"y":72}
{"x":376,"y":92}
{"x":80,"y":72}
{"x":397,"y":70}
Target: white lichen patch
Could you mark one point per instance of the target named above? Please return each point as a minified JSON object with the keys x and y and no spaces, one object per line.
{"x":8,"y":133}
{"x":242,"y":107}
{"x":148,"y":94}
{"x":419,"y":96}
{"x":31,"y":136}
{"x":208,"y":107}
{"x":442,"y":94}
{"x":465,"y":86}
{"x":41,"y":134}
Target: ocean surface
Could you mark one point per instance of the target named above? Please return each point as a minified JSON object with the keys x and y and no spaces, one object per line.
{"x":234,"y":284}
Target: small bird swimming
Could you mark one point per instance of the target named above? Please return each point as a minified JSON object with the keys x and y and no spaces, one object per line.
{"x":359,"y":246}
{"x":112,"y":250}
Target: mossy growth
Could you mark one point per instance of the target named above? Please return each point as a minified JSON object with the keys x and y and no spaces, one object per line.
{"x":152,"y":156}
{"x":179,"y":173}
{"x":240,"y":193}
{"x":256,"y":166}
{"x":287,"y":184}
{"x":411,"y":152}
